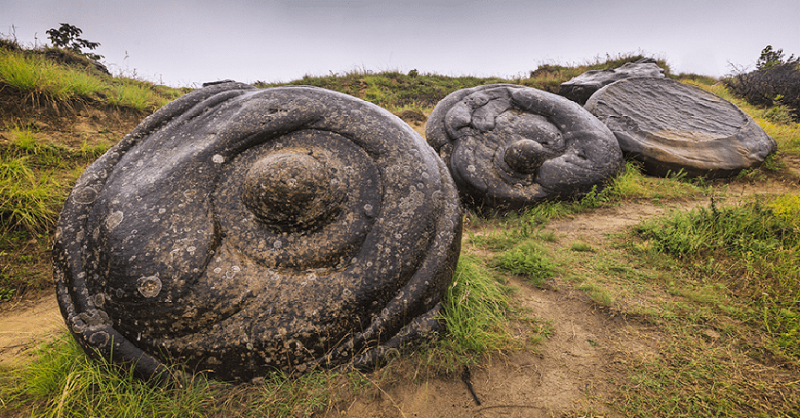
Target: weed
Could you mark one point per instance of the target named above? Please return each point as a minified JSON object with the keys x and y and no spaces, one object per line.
{"x":27,"y":200}
{"x":134,"y":95}
{"x":476,"y":308}
{"x":92,"y":152}
{"x":599,"y":295}
{"x":548,"y":236}
{"x":25,"y":140}
{"x":527,"y":259}
{"x":546,"y":211}
{"x":6,"y":293}
{"x":582,"y":247}
{"x":594,"y":199}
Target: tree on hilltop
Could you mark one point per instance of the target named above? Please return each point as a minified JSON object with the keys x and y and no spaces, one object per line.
{"x":66,"y":37}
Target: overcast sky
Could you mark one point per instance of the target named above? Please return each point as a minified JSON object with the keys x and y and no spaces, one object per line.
{"x":186,"y":43}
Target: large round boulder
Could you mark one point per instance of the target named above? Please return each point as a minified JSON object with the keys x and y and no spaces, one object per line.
{"x":672,"y":127}
{"x":239,"y":231}
{"x":509,"y":146}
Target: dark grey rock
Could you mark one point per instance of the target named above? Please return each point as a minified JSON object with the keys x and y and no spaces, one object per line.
{"x":580,"y":88}
{"x":508,"y":146}
{"x":670,"y":126}
{"x":240,"y":231}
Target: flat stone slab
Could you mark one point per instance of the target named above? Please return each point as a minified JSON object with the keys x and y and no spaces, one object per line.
{"x":509,"y":146}
{"x":241,"y":231}
{"x":580,"y":88}
{"x":670,"y":126}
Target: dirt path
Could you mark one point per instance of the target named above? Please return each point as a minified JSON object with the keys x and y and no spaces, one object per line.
{"x":25,"y":323}
{"x":579,"y":361}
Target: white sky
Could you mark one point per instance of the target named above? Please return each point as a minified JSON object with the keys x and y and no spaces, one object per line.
{"x":186,"y":43}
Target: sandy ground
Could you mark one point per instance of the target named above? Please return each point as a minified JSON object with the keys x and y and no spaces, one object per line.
{"x":25,"y":323}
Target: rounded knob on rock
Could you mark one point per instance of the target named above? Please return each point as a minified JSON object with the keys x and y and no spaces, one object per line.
{"x":289,"y":189}
{"x":525,"y":156}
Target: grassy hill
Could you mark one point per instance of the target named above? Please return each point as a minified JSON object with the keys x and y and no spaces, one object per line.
{"x":691,"y":307}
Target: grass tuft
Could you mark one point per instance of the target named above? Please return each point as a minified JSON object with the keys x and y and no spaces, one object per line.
{"x":528,"y":259}
{"x":29,"y":198}
{"x":31,"y":72}
{"x":476,"y":309}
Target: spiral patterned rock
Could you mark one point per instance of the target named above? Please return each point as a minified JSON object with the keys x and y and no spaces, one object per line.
{"x":509,"y":146}
{"x":239,"y":230}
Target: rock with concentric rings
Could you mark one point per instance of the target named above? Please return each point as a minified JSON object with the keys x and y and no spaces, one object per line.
{"x":509,"y":146}
{"x":673,"y":127}
{"x":239,"y":231}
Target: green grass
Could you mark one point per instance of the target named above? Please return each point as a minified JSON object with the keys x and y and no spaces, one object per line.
{"x":756,"y":245}
{"x":38,"y":75}
{"x":632,"y":185}
{"x":529,"y":260}
{"x":64,"y":382}
{"x":31,"y":72}
{"x":581,"y":246}
{"x":396,"y":91}
{"x":27,"y":73}
{"x":477,"y":309}
{"x":393,"y":90}
{"x":29,"y":198}
{"x":35,"y":178}
{"x":24,"y":262}
{"x":136,"y":95}
{"x":695,"y":378}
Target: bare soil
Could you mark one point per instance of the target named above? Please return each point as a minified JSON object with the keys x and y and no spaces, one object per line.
{"x":569,"y":372}
{"x":26,"y":323}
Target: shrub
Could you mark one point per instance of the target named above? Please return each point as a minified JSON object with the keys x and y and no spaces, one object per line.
{"x":775,"y":81}
{"x":66,"y":37}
